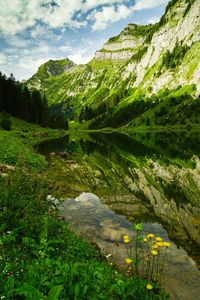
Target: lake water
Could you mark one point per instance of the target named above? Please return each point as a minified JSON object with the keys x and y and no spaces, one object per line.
{"x":149,"y":178}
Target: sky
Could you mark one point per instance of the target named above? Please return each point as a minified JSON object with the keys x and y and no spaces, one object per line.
{"x":35,"y":31}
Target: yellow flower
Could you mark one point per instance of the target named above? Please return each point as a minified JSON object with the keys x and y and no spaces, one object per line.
{"x":125,"y":237}
{"x":155,"y":246}
{"x":150,"y":235}
{"x":128,"y":261}
{"x":154,"y":252}
{"x":158,"y":239}
{"x":126,"y":240}
{"x":167,"y":244}
{"x":145,"y":240}
{"x":159,"y":244}
{"x":149,"y":286}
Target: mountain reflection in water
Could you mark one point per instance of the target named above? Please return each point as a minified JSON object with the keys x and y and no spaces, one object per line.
{"x":146,"y":177}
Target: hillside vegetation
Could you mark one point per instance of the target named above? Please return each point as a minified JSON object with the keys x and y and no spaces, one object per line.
{"x":132,"y":74}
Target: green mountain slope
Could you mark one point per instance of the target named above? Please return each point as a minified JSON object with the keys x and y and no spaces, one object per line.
{"x":151,"y":63}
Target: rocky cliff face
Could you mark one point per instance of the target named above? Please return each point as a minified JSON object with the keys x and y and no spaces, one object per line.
{"x":181,"y":28}
{"x":147,"y":58}
{"x":124,"y":46}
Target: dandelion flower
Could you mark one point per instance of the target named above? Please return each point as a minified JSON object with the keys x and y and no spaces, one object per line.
{"x":158,"y":239}
{"x":128,"y":261}
{"x":167,"y":244}
{"x":155,"y":246}
{"x":150,"y":235}
{"x":154,"y":252}
{"x":145,"y":240}
{"x":149,"y":286}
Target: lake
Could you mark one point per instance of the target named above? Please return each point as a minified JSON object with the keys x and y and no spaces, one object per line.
{"x":151,"y":178}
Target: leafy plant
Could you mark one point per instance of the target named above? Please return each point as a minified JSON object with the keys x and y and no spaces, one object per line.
{"x":5,"y":122}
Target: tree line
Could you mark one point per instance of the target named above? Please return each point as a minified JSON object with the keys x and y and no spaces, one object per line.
{"x":17,"y":100}
{"x":123,"y":116}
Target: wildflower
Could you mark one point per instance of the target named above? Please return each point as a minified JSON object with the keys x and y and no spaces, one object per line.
{"x":155,"y":246}
{"x":167,"y":244}
{"x":149,"y":286}
{"x":150,"y":235}
{"x":145,"y":240}
{"x":159,"y":244}
{"x":126,"y":241}
{"x":128,"y":261}
{"x":154,"y":252}
{"x":158,"y":239}
{"x":125,"y":237}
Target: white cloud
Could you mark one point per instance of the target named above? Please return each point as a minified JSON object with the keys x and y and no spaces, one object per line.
{"x":18,"y":15}
{"x":153,"y":20}
{"x":89,"y":4}
{"x":2,"y":59}
{"x":109,"y":15}
{"x":15,"y":41}
{"x":32,"y":63}
{"x":65,"y":48}
{"x":80,"y":56}
{"x":148,"y":4}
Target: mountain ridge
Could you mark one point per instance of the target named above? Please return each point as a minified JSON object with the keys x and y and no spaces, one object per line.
{"x":142,"y":61}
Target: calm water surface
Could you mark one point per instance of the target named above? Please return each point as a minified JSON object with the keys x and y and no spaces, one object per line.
{"x":152,"y":178}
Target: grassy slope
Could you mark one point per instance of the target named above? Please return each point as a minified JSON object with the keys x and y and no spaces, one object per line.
{"x":17,"y":145}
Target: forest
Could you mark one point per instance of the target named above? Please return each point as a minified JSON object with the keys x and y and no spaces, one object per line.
{"x":18,"y":101}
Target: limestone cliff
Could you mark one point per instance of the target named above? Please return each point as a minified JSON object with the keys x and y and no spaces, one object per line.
{"x":141,"y":59}
{"x":125,"y":45}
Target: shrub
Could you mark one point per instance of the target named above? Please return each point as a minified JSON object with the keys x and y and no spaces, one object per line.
{"x":173,"y":59}
{"x":5,"y":122}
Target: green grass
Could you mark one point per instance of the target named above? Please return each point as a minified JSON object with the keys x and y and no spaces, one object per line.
{"x":16,"y":146}
{"x":118,"y":50}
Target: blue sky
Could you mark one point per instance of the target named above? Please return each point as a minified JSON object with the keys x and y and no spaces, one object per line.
{"x":34,"y":31}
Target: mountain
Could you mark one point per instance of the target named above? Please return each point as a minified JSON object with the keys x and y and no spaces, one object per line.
{"x":52,"y":68}
{"x":148,"y":74}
